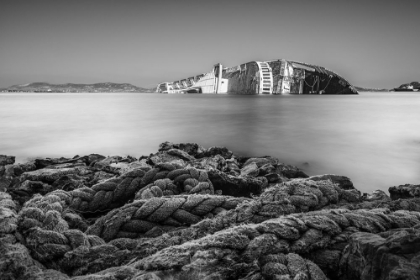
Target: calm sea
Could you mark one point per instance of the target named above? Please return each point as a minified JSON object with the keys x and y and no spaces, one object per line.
{"x":373,"y":138}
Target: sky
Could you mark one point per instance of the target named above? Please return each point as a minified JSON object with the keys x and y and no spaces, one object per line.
{"x":370,"y":43}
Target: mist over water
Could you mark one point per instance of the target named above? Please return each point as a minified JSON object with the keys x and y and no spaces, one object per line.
{"x":373,"y":138}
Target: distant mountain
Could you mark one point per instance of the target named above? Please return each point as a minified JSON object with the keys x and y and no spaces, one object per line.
{"x":413,"y":86}
{"x":371,"y":89}
{"x":98,"y":87}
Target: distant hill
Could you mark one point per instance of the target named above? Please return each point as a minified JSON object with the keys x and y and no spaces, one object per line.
{"x":98,"y":87}
{"x":371,"y":89}
{"x":409,"y":86}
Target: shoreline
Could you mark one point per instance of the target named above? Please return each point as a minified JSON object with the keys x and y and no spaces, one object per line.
{"x":190,"y":211}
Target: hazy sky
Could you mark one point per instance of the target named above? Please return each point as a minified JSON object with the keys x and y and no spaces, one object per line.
{"x":371,"y":43}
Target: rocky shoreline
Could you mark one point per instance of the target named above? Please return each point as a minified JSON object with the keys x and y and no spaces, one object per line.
{"x":187,"y":212}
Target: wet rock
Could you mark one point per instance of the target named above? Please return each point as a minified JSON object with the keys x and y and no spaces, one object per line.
{"x":404,"y":191}
{"x":180,"y":154}
{"x":24,"y":191}
{"x":296,"y":233}
{"x":190,"y":212}
{"x":9,"y":174}
{"x":237,"y":186}
{"x":269,"y":165}
{"x":327,"y":259}
{"x":394,"y":205}
{"x":49,"y":175}
{"x":19,"y":169}
{"x":250,"y":170}
{"x":5,"y":183}
{"x":91,"y":159}
{"x":342,"y":181}
{"x":390,"y":255}
{"x":377,"y":195}
{"x":212,"y":151}
{"x":124,"y":167}
{"x":163,"y":157}
{"x":99,"y":177}
{"x":8,"y":216}
{"x":44,"y":162}
{"x":106,"y":162}
{"x":17,"y":263}
{"x":5,"y":160}
{"x":192,"y":149}
{"x":290,"y":171}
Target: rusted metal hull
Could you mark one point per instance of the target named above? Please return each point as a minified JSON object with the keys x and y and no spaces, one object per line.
{"x":276,"y":77}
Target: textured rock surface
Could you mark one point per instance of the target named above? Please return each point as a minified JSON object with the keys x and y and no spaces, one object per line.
{"x":389,"y":255}
{"x":187,"y":212}
{"x":405,"y":191}
{"x":342,"y":181}
{"x":5,"y":160}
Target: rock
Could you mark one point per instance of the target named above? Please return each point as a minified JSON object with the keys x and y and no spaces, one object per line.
{"x":192,"y":213}
{"x":327,"y":259}
{"x":122,"y":272}
{"x":93,"y":158}
{"x":390,"y":255}
{"x":106,"y":162}
{"x":378,"y":195}
{"x":44,"y":162}
{"x":237,"y":186}
{"x":49,"y":175}
{"x":393,"y":205}
{"x":269,"y":165}
{"x":6,"y":160}
{"x":17,"y":263}
{"x":209,"y":163}
{"x":261,"y":161}
{"x":192,"y":149}
{"x":24,"y":191}
{"x":180,"y":154}
{"x":404,"y":191}
{"x":250,"y":170}
{"x":99,"y":177}
{"x":124,"y":167}
{"x":19,"y":169}
{"x":342,"y":181}
{"x":169,"y":213}
{"x":212,"y":151}
{"x":8,"y":216}
{"x":297,"y":233}
{"x":5,"y":183}
{"x":290,"y":171}
{"x":163,"y":157}
{"x":147,"y":276}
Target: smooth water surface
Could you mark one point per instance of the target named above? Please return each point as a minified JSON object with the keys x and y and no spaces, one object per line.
{"x":373,"y":138}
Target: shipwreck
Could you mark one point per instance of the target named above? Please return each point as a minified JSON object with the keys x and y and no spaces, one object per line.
{"x":275,"y":77}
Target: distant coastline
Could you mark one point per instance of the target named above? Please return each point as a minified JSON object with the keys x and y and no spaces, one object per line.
{"x":74,"y":88}
{"x":362,"y":89}
{"x":42,"y":87}
{"x":413,"y":86}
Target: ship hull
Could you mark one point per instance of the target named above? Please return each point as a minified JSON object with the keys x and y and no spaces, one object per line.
{"x":276,"y":77}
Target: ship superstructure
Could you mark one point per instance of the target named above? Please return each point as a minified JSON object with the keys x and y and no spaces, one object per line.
{"x":275,"y":77}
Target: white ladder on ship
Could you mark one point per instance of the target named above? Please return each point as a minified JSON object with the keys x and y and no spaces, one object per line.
{"x":266,"y":78}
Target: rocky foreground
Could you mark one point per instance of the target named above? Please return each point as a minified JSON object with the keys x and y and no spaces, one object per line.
{"x":187,"y":212}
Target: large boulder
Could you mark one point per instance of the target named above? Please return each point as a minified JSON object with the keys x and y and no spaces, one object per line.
{"x":237,"y":186}
{"x":390,"y":255}
{"x":342,"y":181}
{"x":192,"y":149}
{"x":5,"y":160}
{"x":271,"y":168}
{"x":404,"y":191}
